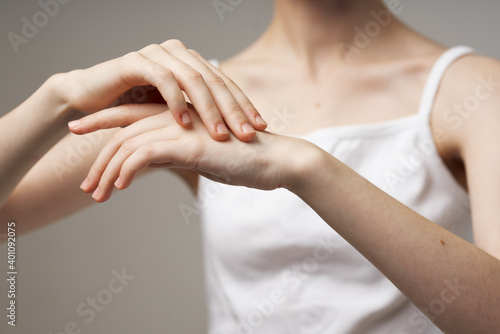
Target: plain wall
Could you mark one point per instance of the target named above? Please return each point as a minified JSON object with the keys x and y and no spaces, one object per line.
{"x":141,"y":229}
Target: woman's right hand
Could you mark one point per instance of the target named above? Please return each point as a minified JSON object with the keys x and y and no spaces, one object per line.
{"x":172,"y":69}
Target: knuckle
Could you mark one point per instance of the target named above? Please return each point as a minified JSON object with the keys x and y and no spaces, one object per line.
{"x":117,"y":138}
{"x":147,"y":150}
{"x":128,"y":169}
{"x":92,"y":119}
{"x":125,"y":170}
{"x":96,"y":170}
{"x":249,"y":107}
{"x":174,"y":43}
{"x":104,"y":123}
{"x":234,"y":111}
{"x":92,"y":174}
{"x":128,"y":146}
{"x":98,"y":122}
{"x":215,"y":80}
{"x":126,"y":109}
{"x":128,"y":117}
{"x":211,"y":112}
{"x":129,"y":58}
{"x":150,"y":48}
{"x":194,"y":76}
{"x":178,"y":97}
{"x":164,"y":74}
{"x":58,"y":79}
{"x":106,"y":177}
{"x":126,"y":64}
{"x":237,"y":113}
{"x":194,"y":52}
{"x":177,"y":103}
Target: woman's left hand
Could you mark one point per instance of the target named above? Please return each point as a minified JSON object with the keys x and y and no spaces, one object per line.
{"x":152,"y":138}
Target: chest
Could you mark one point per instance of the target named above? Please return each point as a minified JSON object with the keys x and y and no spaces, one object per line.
{"x":293,"y":104}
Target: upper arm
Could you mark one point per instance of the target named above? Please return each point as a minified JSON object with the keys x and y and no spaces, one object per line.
{"x":474,"y":128}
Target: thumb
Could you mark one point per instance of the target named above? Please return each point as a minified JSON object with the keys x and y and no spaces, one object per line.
{"x":114,"y":117}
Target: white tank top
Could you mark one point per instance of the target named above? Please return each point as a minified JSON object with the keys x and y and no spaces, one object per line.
{"x":272,"y":265}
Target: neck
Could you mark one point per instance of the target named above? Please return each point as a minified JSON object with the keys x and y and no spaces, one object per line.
{"x":316,"y":32}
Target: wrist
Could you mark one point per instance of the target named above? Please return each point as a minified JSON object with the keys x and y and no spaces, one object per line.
{"x":57,"y":107}
{"x":306,"y":167}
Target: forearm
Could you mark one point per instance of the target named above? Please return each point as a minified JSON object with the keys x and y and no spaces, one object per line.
{"x":419,"y":257}
{"x":29,"y":131}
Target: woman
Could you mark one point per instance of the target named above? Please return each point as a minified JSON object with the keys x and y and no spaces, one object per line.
{"x":396,"y":111}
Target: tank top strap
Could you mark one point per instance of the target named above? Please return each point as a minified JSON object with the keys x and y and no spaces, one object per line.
{"x":436,"y":75}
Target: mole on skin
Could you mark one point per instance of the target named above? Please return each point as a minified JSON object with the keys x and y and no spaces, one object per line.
{"x":443,"y":243}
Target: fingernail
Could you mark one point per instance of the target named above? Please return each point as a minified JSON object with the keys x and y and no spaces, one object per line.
{"x":84,"y":184}
{"x":74,"y":124}
{"x":222,"y":129}
{"x":118,"y":182}
{"x":96,"y":193}
{"x":186,"y":119}
{"x":247,"y":128}
{"x":260,"y":120}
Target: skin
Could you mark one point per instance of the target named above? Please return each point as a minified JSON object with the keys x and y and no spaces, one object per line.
{"x":321,"y":86}
{"x":34,"y":195}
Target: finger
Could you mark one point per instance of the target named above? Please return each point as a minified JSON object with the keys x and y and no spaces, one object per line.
{"x":114,"y":117}
{"x":167,"y":153}
{"x":192,"y":82}
{"x":160,"y":77}
{"x":107,"y":153}
{"x":111,"y":79}
{"x":112,"y":170}
{"x":227,"y":105}
{"x":246,"y":105}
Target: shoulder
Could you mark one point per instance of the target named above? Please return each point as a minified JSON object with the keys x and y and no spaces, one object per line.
{"x":469,"y":74}
{"x":467,"y":107}
{"x":467,"y":110}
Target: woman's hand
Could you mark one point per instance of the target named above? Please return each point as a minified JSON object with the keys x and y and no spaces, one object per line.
{"x":173,"y":70}
{"x":267,"y":162}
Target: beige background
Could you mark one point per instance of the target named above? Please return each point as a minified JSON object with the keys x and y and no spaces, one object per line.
{"x":141,"y":229}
